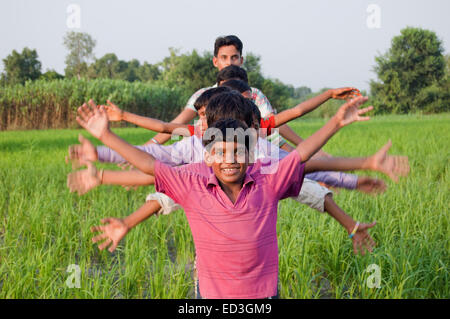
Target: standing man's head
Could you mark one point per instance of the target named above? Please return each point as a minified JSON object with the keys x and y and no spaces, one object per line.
{"x":227,"y":51}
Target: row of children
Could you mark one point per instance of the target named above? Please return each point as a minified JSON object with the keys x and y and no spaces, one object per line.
{"x":228,"y":177}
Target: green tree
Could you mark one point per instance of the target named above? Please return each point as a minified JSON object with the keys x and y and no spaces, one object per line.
{"x":278,"y":93}
{"x":447,"y":65}
{"x":20,"y":67}
{"x":80,"y":46}
{"x":413,"y":63}
{"x":436,"y":97}
{"x":110,"y":67}
{"x":148,"y":72}
{"x":253,"y":67}
{"x":131,"y":71}
{"x":51,"y":75}
{"x":191,"y":70}
{"x":107,"y":67}
{"x":301,"y":92}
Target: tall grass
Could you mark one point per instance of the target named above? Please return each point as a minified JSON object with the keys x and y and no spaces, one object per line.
{"x":44,"y":228}
{"x":52,"y":104}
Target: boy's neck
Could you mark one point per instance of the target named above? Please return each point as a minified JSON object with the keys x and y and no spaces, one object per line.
{"x":232,"y":190}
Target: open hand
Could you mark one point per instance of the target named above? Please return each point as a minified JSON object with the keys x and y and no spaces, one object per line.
{"x":84,"y":180}
{"x":94,"y":119}
{"x":370,"y":185}
{"x":346,"y":93}
{"x":82,"y":153}
{"x":113,"y":231}
{"x":114,"y":112}
{"x":392,"y":166}
{"x":350,"y":112}
{"x":362,"y":239}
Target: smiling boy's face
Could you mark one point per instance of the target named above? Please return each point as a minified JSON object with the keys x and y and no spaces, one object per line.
{"x":229,"y":161}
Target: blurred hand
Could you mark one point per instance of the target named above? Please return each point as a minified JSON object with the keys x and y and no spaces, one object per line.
{"x":84,"y":180}
{"x":350,"y":112}
{"x":370,"y":185}
{"x":94,"y":119}
{"x":82,"y":153}
{"x":392,"y":166}
{"x":113,"y":111}
{"x":113,"y":231}
{"x":346,"y":93}
{"x":362,"y":239}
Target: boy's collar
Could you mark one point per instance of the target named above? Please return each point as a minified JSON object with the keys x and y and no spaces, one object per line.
{"x":213,"y":181}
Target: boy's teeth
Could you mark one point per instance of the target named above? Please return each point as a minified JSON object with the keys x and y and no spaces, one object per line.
{"x":229,"y":170}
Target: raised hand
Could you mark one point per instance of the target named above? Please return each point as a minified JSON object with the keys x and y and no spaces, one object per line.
{"x":114,"y":112}
{"x":392,"y":166}
{"x":362,"y":239}
{"x":370,"y":185}
{"x":113,"y":231}
{"x":346,"y":93}
{"x":84,"y":180}
{"x":82,"y":153}
{"x":94,"y":119}
{"x":350,"y":112}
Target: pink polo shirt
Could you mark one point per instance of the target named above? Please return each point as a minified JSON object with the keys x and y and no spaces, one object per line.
{"x":236,"y":244}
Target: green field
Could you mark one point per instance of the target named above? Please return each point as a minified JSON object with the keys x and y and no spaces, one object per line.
{"x":44,"y":228}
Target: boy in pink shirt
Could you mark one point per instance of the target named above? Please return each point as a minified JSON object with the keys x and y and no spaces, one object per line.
{"x":234,"y":232}
{"x":232,"y":212}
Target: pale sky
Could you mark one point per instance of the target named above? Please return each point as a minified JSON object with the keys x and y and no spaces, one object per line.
{"x":323,"y":43}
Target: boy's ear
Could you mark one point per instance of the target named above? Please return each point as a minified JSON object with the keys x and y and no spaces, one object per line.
{"x":209,"y":160}
{"x":242,"y":60}
{"x":214,"y":61}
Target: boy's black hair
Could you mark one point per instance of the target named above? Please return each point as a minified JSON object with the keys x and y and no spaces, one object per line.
{"x":237,"y":85}
{"x":256,"y":114}
{"x":229,"y":104}
{"x":218,"y":132}
{"x":204,"y":98}
{"x":226,"y":41}
{"x":232,"y":72}
{"x":241,"y":86}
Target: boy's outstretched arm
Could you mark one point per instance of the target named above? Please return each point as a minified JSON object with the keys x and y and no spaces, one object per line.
{"x":114,"y":229}
{"x":392,"y":166}
{"x":347,"y":114}
{"x":361,"y":239}
{"x":84,"y":180}
{"x":117,"y":114}
{"x":313,"y":103}
{"x":184,"y":117}
{"x":95,"y":120}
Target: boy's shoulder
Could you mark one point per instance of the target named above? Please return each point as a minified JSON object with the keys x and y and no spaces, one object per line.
{"x":196,"y":168}
{"x":194,"y":97}
{"x":270,"y":165}
{"x":201,"y":90}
